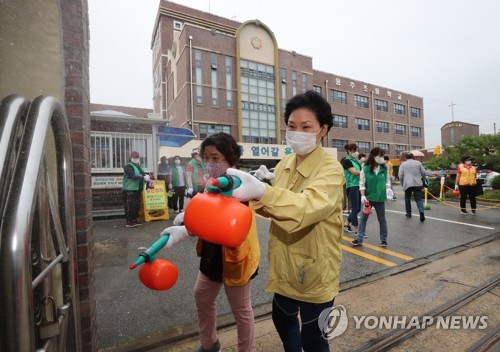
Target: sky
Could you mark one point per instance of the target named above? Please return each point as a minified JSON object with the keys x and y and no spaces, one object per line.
{"x":445,"y":51}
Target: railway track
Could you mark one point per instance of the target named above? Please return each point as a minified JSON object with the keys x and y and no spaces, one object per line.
{"x":489,"y":342}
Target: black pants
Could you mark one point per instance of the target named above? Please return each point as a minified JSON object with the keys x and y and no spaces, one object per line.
{"x":467,"y":191}
{"x":132,"y":200}
{"x":178,"y":198}
{"x":296,"y":335}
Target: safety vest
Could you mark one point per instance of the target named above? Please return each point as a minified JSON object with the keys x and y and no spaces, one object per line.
{"x":132,"y":184}
{"x":352,"y":180}
{"x":375,"y":184}
{"x":467,"y":175}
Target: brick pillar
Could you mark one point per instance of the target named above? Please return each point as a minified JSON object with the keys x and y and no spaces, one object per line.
{"x":75,"y":32}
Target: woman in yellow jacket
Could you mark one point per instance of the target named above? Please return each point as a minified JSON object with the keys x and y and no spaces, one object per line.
{"x":219,"y":265}
{"x":305,"y":208}
{"x":466,"y":183}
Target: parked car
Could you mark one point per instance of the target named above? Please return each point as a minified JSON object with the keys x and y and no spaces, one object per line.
{"x":489,"y":177}
{"x":435,"y":173}
{"x":481,"y":175}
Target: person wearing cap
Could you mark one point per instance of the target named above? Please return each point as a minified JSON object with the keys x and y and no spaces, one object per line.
{"x":132,"y":185}
{"x":196,"y":171}
{"x":178,"y":179}
{"x":466,"y":183}
{"x":411,"y":174}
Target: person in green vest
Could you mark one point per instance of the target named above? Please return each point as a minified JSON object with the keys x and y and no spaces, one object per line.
{"x":178,"y":179}
{"x":352,"y":169}
{"x":132,"y":185}
{"x":196,"y":172}
{"x":373,"y":185}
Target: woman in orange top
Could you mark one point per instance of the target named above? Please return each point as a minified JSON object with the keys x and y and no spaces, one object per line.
{"x":466,"y":183}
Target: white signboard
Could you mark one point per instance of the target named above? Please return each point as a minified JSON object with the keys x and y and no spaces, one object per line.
{"x":249,"y":150}
{"x":106,"y":182}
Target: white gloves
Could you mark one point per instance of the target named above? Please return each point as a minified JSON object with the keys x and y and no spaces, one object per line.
{"x":264,"y":174}
{"x":177,"y":234}
{"x":179,"y":219}
{"x":170,"y":186}
{"x":147,"y":178}
{"x":189,"y":192}
{"x":363,"y":200}
{"x":456,"y":187}
{"x":389,"y":193}
{"x":251,"y":188}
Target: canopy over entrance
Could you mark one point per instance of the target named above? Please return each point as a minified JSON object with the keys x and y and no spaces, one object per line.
{"x":174,"y":136}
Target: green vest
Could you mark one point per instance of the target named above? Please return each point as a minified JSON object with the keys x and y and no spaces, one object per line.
{"x":196,"y":166}
{"x":350,"y":179}
{"x":375,"y":184}
{"x":175,"y":176}
{"x":132,"y":184}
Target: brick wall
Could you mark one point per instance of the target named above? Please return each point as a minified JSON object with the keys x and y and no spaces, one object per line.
{"x":75,"y":29}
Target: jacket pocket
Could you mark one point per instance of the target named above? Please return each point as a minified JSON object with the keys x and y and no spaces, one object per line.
{"x":236,"y":264}
{"x":302,"y":271}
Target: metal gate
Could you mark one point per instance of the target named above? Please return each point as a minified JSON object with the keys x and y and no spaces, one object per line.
{"x":39,"y":308}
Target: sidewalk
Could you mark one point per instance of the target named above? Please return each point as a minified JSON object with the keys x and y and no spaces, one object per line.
{"x":407,"y":290}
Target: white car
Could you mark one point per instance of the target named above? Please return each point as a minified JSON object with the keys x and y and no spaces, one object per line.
{"x":490,"y":176}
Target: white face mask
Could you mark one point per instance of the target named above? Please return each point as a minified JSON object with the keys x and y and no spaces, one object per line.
{"x":302,"y":143}
{"x":136,"y":160}
{"x":379,"y":160}
{"x":355,"y":155}
{"x":468,"y":162}
{"x":362,"y":160}
{"x":177,"y":162}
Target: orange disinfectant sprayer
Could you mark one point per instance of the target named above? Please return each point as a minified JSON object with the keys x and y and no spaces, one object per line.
{"x":216,"y":217}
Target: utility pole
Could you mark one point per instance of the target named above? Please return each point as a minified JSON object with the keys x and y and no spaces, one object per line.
{"x":452,"y":117}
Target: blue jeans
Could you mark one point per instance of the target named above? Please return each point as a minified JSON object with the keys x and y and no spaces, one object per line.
{"x":355,"y":199}
{"x":380,"y":209}
{"x":296,"y":337}
{"x":417,"y":193}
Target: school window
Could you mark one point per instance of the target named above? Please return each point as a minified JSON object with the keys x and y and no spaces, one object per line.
{"x":382,"y":127}
{"x":399,"y":109}
{"x":400,"y":129}
{"x":361,"y":101}
{"x":215,"y":88}
{"x":338,"y":97}
{"x":416,"y":147}
{"x":339,"y":144}
{"x":110,"y":151}
{"x":416,"y":132}
{"x":304,"y":82}
{"x":362,"y":124}
{"x":229,"y":82}
{"x":317,"y":89}
{"x":198,"y":76}
{"x":258,"y":103}
{"x":294,"y":83}
{"x":381,"y":105}
{"x":414,"y":112}
{"x":384,"y":146}
{"x":363,"y":147}
{"x":340,"y":121}
{"x":208,"y":130}
{"x":283,"y":89}
{"x":400,"y":148}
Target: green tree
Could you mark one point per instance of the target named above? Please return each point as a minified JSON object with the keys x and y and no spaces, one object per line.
{"x":484,"y":149}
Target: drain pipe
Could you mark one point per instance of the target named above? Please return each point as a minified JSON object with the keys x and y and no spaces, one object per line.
{"x":191,"y":79}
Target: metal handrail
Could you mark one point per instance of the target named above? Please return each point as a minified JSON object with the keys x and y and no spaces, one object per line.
{"x":26,"y":181}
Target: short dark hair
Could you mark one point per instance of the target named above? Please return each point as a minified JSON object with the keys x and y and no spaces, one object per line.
{"x":386,"y":157}
{"x":225,"y":144}
{"x":466,"y":157}
{"x":313,"y":101}
{"x":409,"y":155}
{"x":351,"y":146}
